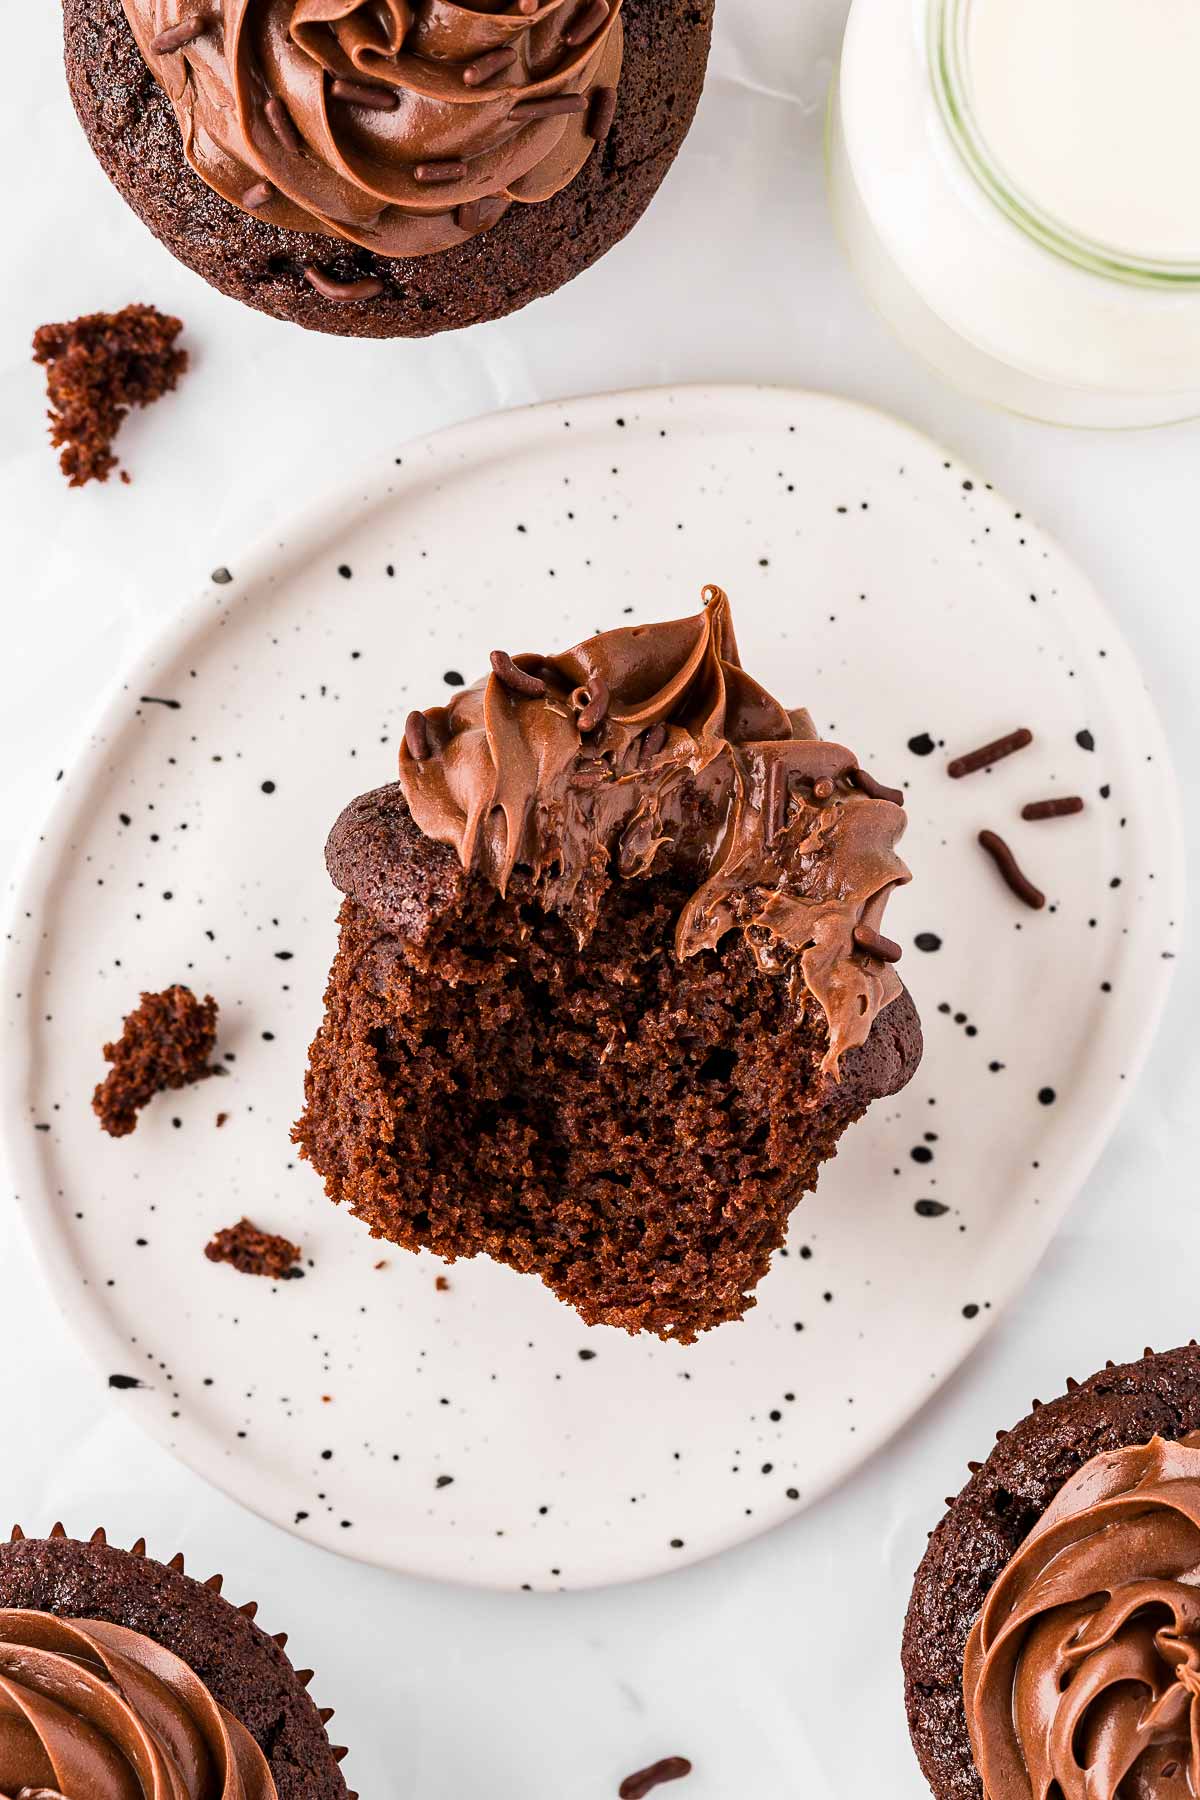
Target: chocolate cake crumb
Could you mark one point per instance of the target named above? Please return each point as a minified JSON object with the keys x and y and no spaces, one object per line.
{"x":166,"y":1042}
{"x":671,"y":1768}
{"x":97,"y":368}
{"x":255,"y":1252}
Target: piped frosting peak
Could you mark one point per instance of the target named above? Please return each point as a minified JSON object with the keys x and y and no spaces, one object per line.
{"x":650,"y":748}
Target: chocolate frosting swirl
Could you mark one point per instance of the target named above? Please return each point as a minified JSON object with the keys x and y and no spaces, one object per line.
{"x":94,"y":1711}
{"x":651,"y":746}
{"x":406,"y":126}
{"x":1082,"y":1673}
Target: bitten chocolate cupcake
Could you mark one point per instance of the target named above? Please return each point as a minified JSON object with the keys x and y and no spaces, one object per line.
{"x":612,"y":979}
{"x":123,"y":1679}
{"x":387,"y":168}
{"x":1052,"y":1647}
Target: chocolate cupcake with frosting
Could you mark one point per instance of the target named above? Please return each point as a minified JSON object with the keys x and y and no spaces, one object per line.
{"x":123,"y":1679}
{"x":1052,"y":1646}
{"x":612,"y":978}
{"x":384,"y":168}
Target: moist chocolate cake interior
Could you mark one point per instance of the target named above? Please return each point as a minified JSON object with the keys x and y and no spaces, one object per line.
{"x":584,"y":1102}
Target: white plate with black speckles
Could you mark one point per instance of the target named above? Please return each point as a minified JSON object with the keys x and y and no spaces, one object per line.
{"x":482,"y":1434}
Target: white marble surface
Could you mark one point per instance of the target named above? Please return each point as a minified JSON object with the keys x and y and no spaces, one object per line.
{"x":775,"y":1668}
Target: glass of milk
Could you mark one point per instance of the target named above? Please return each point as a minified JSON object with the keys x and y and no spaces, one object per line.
{"x":1017,"y":183}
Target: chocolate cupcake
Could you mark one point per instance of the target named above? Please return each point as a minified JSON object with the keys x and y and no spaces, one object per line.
{"x":387,"y":168}
{"x":611,"y":980}
{"x":1052,"y":1646}
{"x":122,"y":1677}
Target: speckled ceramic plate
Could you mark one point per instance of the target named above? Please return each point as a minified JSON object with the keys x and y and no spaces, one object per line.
{"x":477,"y":1431}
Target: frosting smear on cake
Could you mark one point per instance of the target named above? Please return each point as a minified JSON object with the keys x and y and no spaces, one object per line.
{"x":650,"y":747}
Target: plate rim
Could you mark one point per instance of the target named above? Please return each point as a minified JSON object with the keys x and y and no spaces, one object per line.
{"x":49,"y":837}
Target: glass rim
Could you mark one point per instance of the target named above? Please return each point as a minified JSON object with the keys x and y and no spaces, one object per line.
{"x":950,"y":79}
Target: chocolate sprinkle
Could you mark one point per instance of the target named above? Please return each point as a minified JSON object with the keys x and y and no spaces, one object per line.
{"x":258,"y":195}
{"x":176,"y":36}
{"x":525,"y":111}
{"x":989,"y":753}
{"x":416,"y":736}
{"x":595,"y":704}
{"x":432,"y":172}
{"x":480,"y":215}
{"x":875,"y":790}
{"x":775,"y":801}
{"x":485,"y":67}
{"x":882,"y":947}
{"x":653,"y":741}
{"x":369,"y":288}
{"x":1008,"y":866}
{"x":361,"y":93}
{"x":1053,"y":809}
{"x":516,"y":680}
{"x":671,"y":1768}
{"x":280,"y":120}
{"x":602,"y":110}
{"x":586,"y":23}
